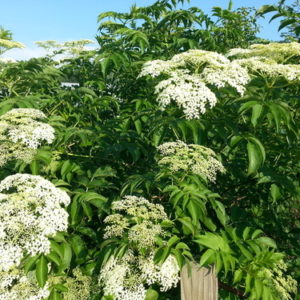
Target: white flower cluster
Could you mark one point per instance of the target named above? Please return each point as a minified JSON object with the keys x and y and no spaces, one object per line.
{"x":270,"y":60}
{"x":6,"y":60}
{"x":197,"y":159}
{"x":231,"y":74}
{"x":190,"y":77}
{"x":279,"y":52}
{"x":188,"y":91}
{"x":157,"y":67}
{"x":138,"y":220}
{"x":80,"y":286}
{"x":15,"y":285}
{"x":21,"y":133}
{"x":119,"y":278}
{"x":8,"y":44}
{"x":166,"y":275}
{"x":125,"y":278}
{"x":187,"y":60}
{"x":282,"y":286}
{"x":31,"y":210}
{"x":266,"y":67}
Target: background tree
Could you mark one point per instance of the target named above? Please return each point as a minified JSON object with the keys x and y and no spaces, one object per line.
{"x":6,"y":41}
{"x":290,"y":18}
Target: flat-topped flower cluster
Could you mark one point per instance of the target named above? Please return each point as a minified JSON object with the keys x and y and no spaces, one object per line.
{"x":274,"y":60}
{"x":16,"y":285}
{"x":136,"y":217}
{"x":196,"y":159}
{"x":79,"y":286}
{"x":31,"y":210}
{"x":137,"y":220}
{"x":21,"y":133}
{"x":284,"y":285}
{"x":279,"y":52}
{"x":191,"y":79}
{"x":190,"y":76}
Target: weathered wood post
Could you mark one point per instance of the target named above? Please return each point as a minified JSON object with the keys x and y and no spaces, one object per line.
{"x":198,"y":283}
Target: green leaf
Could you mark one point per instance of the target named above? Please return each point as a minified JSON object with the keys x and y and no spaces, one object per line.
{"x":94,"y":198}
{"x":186,"y":221}
{"x":35,"y":167}
{"x":179,"y":257}
{"x":259,"y":146}
{"x":60,"y":287}
{"x":193,"y":209}
{"x":238,"y":275}
{"x":256,"y":155}
{"x":209,"y":224}
{"x":220,"y":212}
{"x":30,"y":263}
{"x":247,"y":106}
{"x":266,"y":9}
{"x":67,"y":255}
{"x":245,"y":252}
{"x":256,"y":113}
{"x":286,"y":22}
{"x":276,"y":113}
{"x":106,"y":171}
{"x":226,"y":261}
{"x":267,"y":241}
{"x":275,"y":192}
{"x":87,"y":209}
{"x":121,"y":250}
{"x":210,"y":240}
{"x":219,"y":262}
{"x":76,"y":212}
{"x":55,"y":296}
{"x":57,"y":248}
{"x":207,"y":257}
{"x":182,"y":245}
{"x":161,"y":255}
{"x":248,"y":282}
{"x":246,"y":233}
{"x":88,"y":232}
{"x":173,"y":240}
{"x":66,"y":168}
{"x":254,"y":158}
{"x":138,"y":126}
{"x":151,"y":294}
{"x":78,"y":245}
{"x":256,"y":233}
{"x":235,"y":140}
{"x":41,"y":271}
{"x":258,"y":288}
{"x":266,"y":294}
{"x":52,"y":256}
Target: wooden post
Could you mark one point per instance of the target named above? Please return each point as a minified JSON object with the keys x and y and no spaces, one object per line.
{"x":198,"y":283}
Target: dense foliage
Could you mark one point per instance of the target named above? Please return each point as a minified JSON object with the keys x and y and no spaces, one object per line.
{"x":176,"y":141}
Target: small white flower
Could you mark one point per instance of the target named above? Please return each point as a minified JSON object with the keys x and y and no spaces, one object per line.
{"x":15,"y":285}
{"x":166,"y":275}
{"x":279,"y":52}
{"x":192,"y":158}
{"x":31,"y":210}
{"x":21,"y":133}
{"x":126,"y":278}
{"x":188,"y":76}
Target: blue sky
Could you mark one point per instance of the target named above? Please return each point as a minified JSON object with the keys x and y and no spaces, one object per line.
{"x":62,"y":20}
